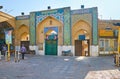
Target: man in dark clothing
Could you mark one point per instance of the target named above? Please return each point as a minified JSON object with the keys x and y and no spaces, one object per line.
{"x":4,"y":49}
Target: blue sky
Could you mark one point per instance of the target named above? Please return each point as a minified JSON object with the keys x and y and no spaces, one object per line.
{"x":107,"y":9}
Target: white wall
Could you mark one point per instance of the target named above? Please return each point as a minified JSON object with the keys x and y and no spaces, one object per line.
{"x":34,"y":48}
{"x":107,"y":52}
{"x":65,"y":48}
{"x":60,"y":49}
{"x":17,"y":48}
{"x":94,"y":50}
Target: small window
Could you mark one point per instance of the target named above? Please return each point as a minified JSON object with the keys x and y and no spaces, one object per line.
{"x":50,"y":22}
{"x":108,"y":28}
{"x":101,"y":42}
{"x":106,"y":45}
{"x":115,"y":45}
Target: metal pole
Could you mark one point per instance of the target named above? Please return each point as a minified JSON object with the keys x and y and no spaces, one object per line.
{"x":15,"y":57}
{"x":18,"y":56}
{"x":5,"y":55}
{"x":8,"y":52}
{"x":0,"y":55}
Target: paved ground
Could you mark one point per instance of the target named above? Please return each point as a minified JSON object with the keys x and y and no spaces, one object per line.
{"x":62,"y":67}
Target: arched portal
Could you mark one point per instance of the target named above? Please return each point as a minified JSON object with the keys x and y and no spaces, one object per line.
{"x":47,"y":26}
{"x":5,"y":26}
{"x":51,"y":42}
{"x":22,"y":34}
{"x":81,"y":37}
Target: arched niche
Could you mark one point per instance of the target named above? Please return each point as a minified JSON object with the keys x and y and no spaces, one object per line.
{"x":49,"y":22}
{"x":22,"y":33}
{"x":81,"y":28}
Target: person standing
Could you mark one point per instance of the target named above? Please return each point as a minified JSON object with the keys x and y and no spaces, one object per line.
{"x":4,"y":49}
{"x":23,"y":51}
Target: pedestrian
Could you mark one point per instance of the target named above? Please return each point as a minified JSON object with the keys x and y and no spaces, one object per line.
{"x":4,"y":49}
{"x":23,"y":51}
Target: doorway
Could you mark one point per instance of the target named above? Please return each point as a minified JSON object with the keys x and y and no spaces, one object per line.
{"x":82,"y":48}
{"x":51,"y":40}
{"x":51,"y":47}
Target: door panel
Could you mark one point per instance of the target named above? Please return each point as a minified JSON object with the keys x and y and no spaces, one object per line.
{"x":50,"y":47}
{"x":82,"y":48}
{"x":78,"y":48}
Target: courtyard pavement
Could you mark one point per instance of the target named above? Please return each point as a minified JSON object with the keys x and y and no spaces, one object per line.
{"x":59,"y":67}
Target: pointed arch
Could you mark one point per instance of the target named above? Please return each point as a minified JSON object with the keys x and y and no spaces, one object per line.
{"x":50,"y":32}
{"x":24,"y":36}
{"x":81,"y":32}
{"x":22,"y":33}
{"x":23,"y":26}
{"x":79,"y":28}
{"x":49,"y":22}
{"x":7,"y":18}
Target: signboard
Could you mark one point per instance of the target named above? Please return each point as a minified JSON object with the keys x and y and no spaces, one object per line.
{"x":8,"y":37}
{"x":106,"y":33}
{"x":81,"y":37}
{"x":22,"y":17}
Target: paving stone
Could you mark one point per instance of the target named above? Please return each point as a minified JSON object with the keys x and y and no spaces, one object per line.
{"x":105,"y":74}
{"x":59,"y":67}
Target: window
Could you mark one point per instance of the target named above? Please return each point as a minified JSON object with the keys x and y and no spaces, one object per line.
{"x":115,"y":45}
{"x":101,"y":42}
{"x":106,"y":45}
{"x":50,"y":22}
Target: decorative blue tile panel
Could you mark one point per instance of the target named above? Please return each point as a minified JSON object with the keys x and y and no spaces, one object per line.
{"x":32,"y":29}
{"x":57,"y":14}
{"x":67,"y":27}
{"x":62,"y":15}
{"x":95,"y":26}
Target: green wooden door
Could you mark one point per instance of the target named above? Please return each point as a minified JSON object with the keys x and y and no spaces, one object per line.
{"x":50,"y":47}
